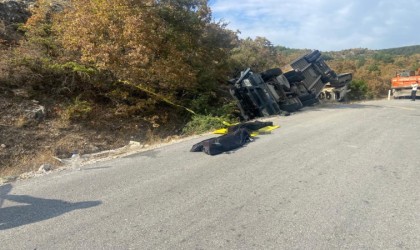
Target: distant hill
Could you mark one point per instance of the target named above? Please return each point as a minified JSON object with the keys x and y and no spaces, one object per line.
{"x":402,"y":51}
{"x":356,"y":53}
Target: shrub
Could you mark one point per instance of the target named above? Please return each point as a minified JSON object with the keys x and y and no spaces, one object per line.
{"x":202,"y":123}
{"x":78,"y":110}
{"x":359,"y":90}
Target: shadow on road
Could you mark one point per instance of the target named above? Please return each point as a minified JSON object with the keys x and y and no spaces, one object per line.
{"x":34,"y":209}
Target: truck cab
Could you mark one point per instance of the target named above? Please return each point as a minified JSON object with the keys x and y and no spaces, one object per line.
{"x":401,"y":83}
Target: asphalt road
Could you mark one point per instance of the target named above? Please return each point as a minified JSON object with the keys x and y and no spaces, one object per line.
{"x":332,"y":177}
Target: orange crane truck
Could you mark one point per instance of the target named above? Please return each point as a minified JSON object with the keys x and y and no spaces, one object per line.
{"x":401,"y":83}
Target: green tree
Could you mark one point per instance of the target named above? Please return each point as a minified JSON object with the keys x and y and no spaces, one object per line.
{"x":258,"y":54}
{"x":170,"y":48}
{"x":383,"y":57}
{"x":361,"y":61}
{"x":358,"y":90}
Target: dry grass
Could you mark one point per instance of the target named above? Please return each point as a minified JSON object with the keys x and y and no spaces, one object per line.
{"x":29,"y":143}
{"x":29,"y":162}
{"x":21,"y":122}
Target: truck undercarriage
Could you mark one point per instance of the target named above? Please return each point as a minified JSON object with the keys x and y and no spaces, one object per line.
{"x":302,"y":83}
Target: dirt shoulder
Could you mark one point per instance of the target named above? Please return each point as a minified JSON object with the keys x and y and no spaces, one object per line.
{"x":32,"y":135}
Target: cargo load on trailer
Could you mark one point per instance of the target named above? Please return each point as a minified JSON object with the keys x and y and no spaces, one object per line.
{"x":301,"y":83}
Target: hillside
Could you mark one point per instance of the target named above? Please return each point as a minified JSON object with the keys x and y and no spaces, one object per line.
{"x":76,"y":81}
{"x":32,"y":134}
{"x":402,"y":51}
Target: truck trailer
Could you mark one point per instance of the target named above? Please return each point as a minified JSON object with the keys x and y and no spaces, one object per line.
{"x":301,"y":83}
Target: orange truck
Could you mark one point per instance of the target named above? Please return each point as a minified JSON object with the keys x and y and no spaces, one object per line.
{"x":401,"y":83}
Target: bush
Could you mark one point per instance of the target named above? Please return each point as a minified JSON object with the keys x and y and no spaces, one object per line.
{"x":373,"y":67}
{"x":202,"y":123}
{"x":79,"y":110}
{"x":359,"y":90}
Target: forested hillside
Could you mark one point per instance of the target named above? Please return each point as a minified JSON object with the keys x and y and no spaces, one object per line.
{"x":372,"y":69}
{"x":403,"y":51}
{"x":96,"y":74}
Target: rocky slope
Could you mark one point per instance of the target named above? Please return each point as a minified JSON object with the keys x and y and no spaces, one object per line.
{"x":32,"y":132}
{"x":13,"y":13}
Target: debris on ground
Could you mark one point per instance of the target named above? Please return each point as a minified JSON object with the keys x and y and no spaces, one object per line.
{"x":235,"y":136}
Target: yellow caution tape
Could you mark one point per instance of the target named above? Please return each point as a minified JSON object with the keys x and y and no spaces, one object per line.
{"x":264,"y":130}
{"x":253,"y":134}
{"x":268,"y":129}
{"x":157,"y":96}
{"x":221,"y":131}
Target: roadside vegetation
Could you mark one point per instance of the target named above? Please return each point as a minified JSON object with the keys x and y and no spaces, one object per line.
{"x":107,"y":72}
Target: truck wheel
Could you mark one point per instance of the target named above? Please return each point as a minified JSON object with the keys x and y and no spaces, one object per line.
{"x":313,"y":56}
{"x":271,"y":73}
{"x":306,"y":97}
{"x":328,"y":96}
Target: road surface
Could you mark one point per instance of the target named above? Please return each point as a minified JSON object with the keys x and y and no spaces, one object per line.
{"x":332,"y":177}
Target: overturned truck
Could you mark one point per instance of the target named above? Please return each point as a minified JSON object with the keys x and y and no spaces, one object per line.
{"x":301,"y":83}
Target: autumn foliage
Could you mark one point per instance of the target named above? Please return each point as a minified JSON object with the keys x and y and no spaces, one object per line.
{"x":170,"y":48}
{"x":107,"y":72}
{"x":148,"y":58}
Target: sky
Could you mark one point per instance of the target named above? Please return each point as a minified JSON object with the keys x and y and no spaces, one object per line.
{"x":326,"y":25}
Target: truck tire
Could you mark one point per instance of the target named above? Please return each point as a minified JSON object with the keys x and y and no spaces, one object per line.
{"x":292,"y":105}
{"x":271,"y":73}
{"x":312,"y":57}
{"x":294,"y":76}
{"x":307,"y":97}
{"x":310,"y":102}
{"x":328,"y":96}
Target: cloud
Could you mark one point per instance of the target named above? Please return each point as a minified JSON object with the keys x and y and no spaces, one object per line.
{"x":324,"y":24}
